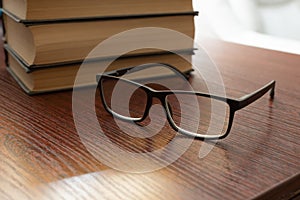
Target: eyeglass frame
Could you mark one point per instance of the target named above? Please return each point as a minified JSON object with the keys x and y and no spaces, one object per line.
{"x":233,"y":103}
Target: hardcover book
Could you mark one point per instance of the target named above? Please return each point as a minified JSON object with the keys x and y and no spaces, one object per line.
{"x":38,"y":10}
{"x":47,"y":78}
{"x":61,"y":41}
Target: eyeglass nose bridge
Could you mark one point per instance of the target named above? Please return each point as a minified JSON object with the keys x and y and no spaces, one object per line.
{"x":161,"y":96}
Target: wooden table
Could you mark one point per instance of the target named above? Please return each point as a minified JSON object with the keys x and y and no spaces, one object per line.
{"x":42,"y":157}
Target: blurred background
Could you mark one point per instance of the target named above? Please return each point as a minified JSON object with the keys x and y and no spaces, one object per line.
{"x":270,"y":24}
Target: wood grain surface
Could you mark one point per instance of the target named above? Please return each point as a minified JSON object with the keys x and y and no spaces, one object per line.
{"x":42,"y":156}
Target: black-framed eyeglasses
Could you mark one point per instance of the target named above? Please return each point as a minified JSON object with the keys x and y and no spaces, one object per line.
{"x":188,"y":112}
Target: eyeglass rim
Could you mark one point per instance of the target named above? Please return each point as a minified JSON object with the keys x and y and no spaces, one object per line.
{"x":162,"y":95}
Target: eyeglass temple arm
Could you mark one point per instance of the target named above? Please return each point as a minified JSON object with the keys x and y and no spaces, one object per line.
{"x":250,"y":98}
{"x":132,"y":69}
{"x":116,"y":73}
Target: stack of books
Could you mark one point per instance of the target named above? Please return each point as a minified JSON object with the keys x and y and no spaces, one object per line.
{"x":47,"y":41}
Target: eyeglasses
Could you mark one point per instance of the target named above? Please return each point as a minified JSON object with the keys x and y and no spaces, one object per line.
{"x":195,"y":114}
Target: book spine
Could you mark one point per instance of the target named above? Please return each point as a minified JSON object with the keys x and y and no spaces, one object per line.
{"x":3,"y":26}
{"x":4,"y":38}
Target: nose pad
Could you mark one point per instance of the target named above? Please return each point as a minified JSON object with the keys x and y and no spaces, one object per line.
{"x":156,"y":117}
{"x":144,"y":122}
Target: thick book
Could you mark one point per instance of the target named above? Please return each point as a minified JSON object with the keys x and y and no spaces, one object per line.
{"x":61,"y":77}
{"x":63,"y":41}
{"x":66,"y":9}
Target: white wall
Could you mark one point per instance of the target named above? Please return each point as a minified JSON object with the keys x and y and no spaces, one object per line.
{"x":271,"y":24}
